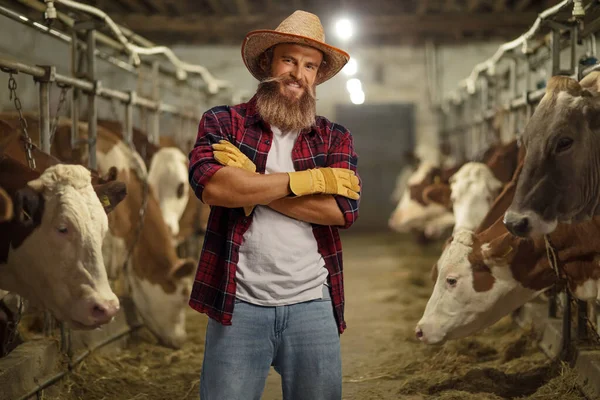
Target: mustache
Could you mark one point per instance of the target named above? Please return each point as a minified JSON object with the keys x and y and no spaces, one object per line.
{"x":288,"y":79}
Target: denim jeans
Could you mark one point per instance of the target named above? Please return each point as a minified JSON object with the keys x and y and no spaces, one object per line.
{"x":301,"y":341}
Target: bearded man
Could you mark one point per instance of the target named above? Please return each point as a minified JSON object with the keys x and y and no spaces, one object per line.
{"x":280,"y":181}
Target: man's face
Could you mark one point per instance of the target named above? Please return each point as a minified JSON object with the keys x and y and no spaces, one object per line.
{"x":300,"y":63}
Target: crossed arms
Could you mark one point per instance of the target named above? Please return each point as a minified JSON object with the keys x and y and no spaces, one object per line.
{"x":232,"y":184}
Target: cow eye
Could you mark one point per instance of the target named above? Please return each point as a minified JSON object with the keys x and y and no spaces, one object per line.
{"x":62,"y":230}
{"x":451,"y":281}
{"x":564,"y":144}
{"x":180,"y":189}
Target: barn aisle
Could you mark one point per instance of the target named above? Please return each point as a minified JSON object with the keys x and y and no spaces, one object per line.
{"x":387,"y":287}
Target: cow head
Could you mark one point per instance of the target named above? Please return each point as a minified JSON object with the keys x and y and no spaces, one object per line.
{"x":168,"y":177}
{"x":559,"y":181}
{"x":162,"y":306}
{"x":475,"y":287}
{"x":412,"y":211}
{"x":473,"y":190}
{"x":59,"y":265}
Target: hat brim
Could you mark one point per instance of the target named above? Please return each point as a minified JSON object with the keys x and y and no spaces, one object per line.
{"x":256,"y":42}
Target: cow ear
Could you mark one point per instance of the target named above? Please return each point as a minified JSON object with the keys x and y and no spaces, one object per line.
{"x":438,"y":193}
{"x":183,"y":268}
{"x":29,"y":206}
{"x":110,"y":176}
{"x":111,"y":194}
{"x":501,"y":248}
{"x":434,"y":273}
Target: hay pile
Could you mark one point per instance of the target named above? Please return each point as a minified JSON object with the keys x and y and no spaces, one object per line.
{"x":387,"y":287}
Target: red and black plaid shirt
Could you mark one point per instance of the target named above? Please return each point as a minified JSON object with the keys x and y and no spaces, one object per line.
{"x":326,"y":145}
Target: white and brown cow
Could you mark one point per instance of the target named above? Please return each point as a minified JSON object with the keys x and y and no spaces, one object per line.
{"x":167,"y":174}
{"x":484,"y":276}
{"x":413,"y":212}
{"x":473,"y":190}
{"x":51,"y":250}
{"x":138,"y":251}
{"x":560,"y":180}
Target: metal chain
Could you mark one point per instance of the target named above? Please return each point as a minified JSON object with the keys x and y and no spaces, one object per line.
{"x":61,"y":100}
{"x":12,"y":87}
{"x":553,"y":260}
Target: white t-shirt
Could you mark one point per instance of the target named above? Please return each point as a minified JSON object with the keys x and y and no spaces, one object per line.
{"x":279,"y":262}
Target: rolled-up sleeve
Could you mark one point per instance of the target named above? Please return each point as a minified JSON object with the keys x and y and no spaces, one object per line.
{"x":202,"y":163}
{"x":342,"y":155}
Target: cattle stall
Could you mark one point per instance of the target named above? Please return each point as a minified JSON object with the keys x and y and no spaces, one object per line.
{"x":92,"y":91}
{"x":495,"y":103}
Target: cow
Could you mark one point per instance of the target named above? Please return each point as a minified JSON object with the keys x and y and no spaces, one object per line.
{"x":138,"y":250}
{"x":413,"y":212}
{"x":6,"y":206}
{"x":559,"y":182}
{"x":473,"y":190}
{"x":167,"y":174}
{"x":51,"y":249}
{"x":484,"y":276}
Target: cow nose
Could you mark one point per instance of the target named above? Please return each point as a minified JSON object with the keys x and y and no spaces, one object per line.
{"x":419,"y":333}
{"x":104,"y":312}
{"x":516,"y":224}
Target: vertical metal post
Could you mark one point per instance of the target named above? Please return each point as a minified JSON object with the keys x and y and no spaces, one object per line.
{"x":92,"y":101}
{"x":485,"y":105}
{"x":75,"y":93}
{"x":129,"y":119}
{"x":582,"y":332}
{"x":155,"y":114}
{"x":555,"y":52}
{"x":574,"y":38}
{"x":44,"y":104}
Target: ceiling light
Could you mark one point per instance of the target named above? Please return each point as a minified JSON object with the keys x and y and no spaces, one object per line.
{"x":353,"y":85}
{"x":357,"y":97}
{"x":350,"y":68}
{"x":344,"y":29}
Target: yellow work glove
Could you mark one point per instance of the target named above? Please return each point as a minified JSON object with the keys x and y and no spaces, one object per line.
{"x":227,"y":154}
{"x":337,"y":181}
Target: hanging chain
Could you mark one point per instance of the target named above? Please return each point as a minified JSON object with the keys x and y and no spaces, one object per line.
{"x":12,"y":87}
{"x":61,"y":100}
{"x":553,"y":260}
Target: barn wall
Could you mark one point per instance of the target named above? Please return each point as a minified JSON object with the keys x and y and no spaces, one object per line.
{"x":389,"y":74}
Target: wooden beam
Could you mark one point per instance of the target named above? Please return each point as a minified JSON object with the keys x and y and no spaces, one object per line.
{"x":137,"y":6}
{"x":522,"y":4}
{"x":242,"y":7}
{"x":236,"y":26}
{"x":473,"y":5}
{"x":423,"y":7}
{"x":216,"y":6}
{"x":499,"y":6}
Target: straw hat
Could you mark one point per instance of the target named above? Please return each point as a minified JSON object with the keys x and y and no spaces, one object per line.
{"x":300,"y":28}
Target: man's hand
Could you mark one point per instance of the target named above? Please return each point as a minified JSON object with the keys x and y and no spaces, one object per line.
{"x":336,"y":181}
{"x":229,"y":155}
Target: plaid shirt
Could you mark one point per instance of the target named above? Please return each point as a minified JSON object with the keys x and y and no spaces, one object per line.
{"x":326,"y":145}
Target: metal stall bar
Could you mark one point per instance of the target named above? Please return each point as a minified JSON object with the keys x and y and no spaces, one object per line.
{"x":63,"y":37}
{"x":92,"y":100}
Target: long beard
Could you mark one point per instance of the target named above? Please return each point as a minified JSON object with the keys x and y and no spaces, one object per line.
{"x":286,"y":112}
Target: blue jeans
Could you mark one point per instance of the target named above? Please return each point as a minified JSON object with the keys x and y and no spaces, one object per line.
{"x":301,"y":341}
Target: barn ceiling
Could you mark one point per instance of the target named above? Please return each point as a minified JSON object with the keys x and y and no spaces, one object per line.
{"x":377,"y":21}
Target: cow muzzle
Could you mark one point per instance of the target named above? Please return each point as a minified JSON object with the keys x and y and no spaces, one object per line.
{"x":517,"y":224}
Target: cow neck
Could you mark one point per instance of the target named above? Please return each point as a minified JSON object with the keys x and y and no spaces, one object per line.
{"x":503,"y":161}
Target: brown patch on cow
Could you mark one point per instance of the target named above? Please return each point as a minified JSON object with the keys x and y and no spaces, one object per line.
{"x":434,"y":176}
{"x":483,"y":280}
{"x":438,"y":193}
{"x":504,"y":160}
{"x":141,"y":143}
